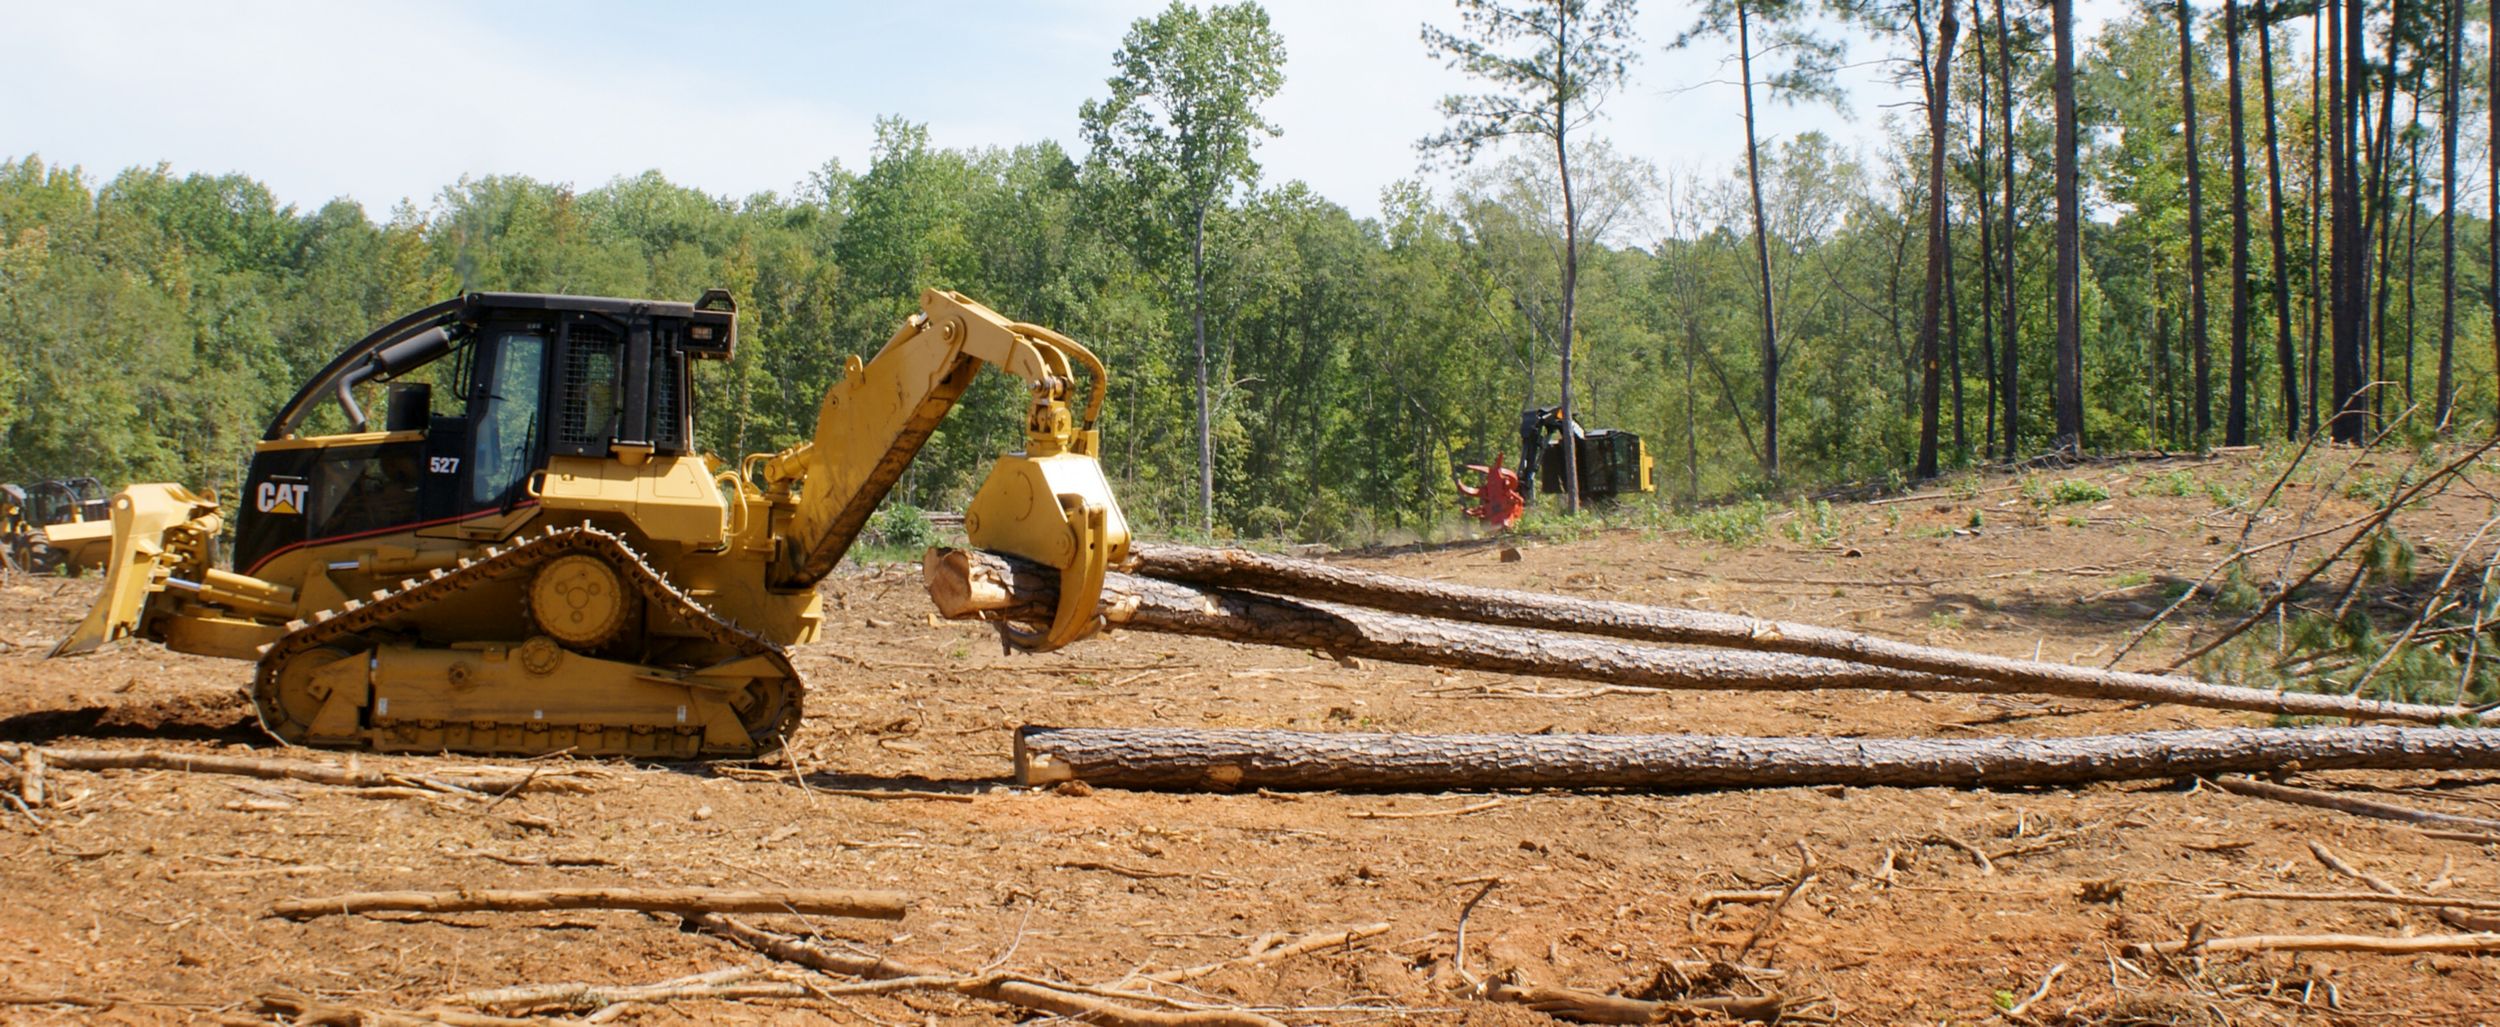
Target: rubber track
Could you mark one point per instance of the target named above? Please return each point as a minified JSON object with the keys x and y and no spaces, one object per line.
{"x":519,"y":556}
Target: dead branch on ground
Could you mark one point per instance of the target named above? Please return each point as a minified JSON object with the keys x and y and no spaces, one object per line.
{"x":1012,"y":989}
{"x":2349,"y":804}
{"x":2322,"y":943}
{"x":1263,"y":954}
{"x":471,"y":781}
{"x":306,"y":1010}
{"x":866,"y":905}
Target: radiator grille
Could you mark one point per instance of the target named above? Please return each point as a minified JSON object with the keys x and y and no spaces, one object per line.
{"x":591,"y":357}
{"x":668,"y":429}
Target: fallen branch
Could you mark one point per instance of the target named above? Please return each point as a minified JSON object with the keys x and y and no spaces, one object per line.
{"x":1457,"y":811}
{"x":2379,"y":897}
{"x":2350,"y":804}
{"x":1263,"y":955}
{"x":1011,"y":989}
{"x":1186,"y":758}
{"x":2323,"y":943}
{"x":1977,"y":857}
{"x":720,"y":985}
{"x":471,"y":781}
{"x":1312,"y":580}
{"x":866,"y":905}
{"x":2370,"y":525}
{"x":1805,"y":876}
{"x":304,"y":1010}
{"x":1598,"y":1007}
{"x":967,"y":584}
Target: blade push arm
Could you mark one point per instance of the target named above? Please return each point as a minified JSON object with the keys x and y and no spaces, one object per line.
{"x":1049,"y":503}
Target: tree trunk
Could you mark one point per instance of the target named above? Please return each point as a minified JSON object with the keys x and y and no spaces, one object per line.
{"x":870,"y":905}
{"x":1570,"y":275}
{"x":1198,"y":324}
{"x":1194,"y":758}
{"x":2011,"y":366}
{"x":2069,"y":238}
{"x":1761,"y":253}
{"x":2318,"y":129}
{"x":1939,"y":244}
{"x":2378,"y":223}
{"x":2201,"y":398}
{"x":2452,"y":27}
{"x":2235,"y":423}
{"x":1238,"y":569}
{"x":2350,"y":249}
{"x":2492,"y":222}
{"x":1987,"y":244}
{"x":2284,"y":357}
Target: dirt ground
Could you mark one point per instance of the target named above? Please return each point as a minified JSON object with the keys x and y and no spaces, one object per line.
{"x":143,"y":896}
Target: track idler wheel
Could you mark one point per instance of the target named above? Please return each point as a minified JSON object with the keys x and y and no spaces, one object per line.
{"x":583,"y":602}
{"x":288,"y":702}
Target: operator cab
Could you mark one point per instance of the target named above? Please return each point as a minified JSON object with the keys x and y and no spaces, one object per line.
{"x":477,"y":394}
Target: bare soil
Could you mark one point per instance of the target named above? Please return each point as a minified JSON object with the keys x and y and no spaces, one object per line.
{"x":142,"y":897}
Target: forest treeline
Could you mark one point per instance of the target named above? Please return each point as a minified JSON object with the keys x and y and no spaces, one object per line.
{"x":2243,"y":273}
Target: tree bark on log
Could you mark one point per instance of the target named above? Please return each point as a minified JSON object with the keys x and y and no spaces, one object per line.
{"x":969,"y":584}
{"x":1184,"y":758}
{"x":1233,"y":568}
{"x":865,"y":905}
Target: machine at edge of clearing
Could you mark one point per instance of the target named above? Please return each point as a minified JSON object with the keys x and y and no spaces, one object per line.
{"x":549,"y":564}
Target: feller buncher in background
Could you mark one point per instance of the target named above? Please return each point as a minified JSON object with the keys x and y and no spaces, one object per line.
{"x":1612,"y":461}
{"x":525,"y":553}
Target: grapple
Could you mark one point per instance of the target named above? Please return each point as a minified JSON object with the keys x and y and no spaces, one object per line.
{"x":1497,"y":493}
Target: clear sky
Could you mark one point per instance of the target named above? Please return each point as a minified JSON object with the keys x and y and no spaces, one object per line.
{"x":385,"y":100}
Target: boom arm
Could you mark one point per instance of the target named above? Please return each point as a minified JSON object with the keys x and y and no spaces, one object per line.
{"x":1048,"y":503}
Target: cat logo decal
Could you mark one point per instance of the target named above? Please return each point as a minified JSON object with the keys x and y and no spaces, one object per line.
{"x":281,"y":498}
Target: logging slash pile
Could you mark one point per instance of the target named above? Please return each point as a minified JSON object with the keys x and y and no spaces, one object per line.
{"x":1353,"y":615}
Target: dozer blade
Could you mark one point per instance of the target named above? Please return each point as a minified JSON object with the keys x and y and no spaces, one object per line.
{"x":143,"y":518}
{"x":82,"y":544}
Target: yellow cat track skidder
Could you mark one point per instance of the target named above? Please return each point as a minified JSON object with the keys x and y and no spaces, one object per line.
{"x":527,"y":554}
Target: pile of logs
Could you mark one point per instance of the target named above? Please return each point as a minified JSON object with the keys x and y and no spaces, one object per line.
{"x":1249,"y":597}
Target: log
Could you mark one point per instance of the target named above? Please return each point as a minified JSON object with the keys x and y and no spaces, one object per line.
{"x":966,"y":584}
{"x":1025,"y":994}
{"x":1187,"y":758}
{"x":1237,"y":569}
{"x":865,"y":905}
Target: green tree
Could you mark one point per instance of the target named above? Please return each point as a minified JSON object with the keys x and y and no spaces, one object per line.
{"x":1808,"y":74}
{"x":1179,"y":126}
{"x":1546,"y":66}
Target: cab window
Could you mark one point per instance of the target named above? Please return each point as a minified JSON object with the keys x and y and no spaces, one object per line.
{"x":505,"y":431}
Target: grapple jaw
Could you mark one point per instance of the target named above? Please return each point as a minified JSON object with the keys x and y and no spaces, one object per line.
{"x":1055,"y":510}
{"x":160,"y":531}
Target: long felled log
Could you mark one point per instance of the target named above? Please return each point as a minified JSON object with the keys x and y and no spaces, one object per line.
{"x":1185,"y":758}
{"x":867,"y":905}
{"x":1234,"y":568}
{"x":965,"y":583}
